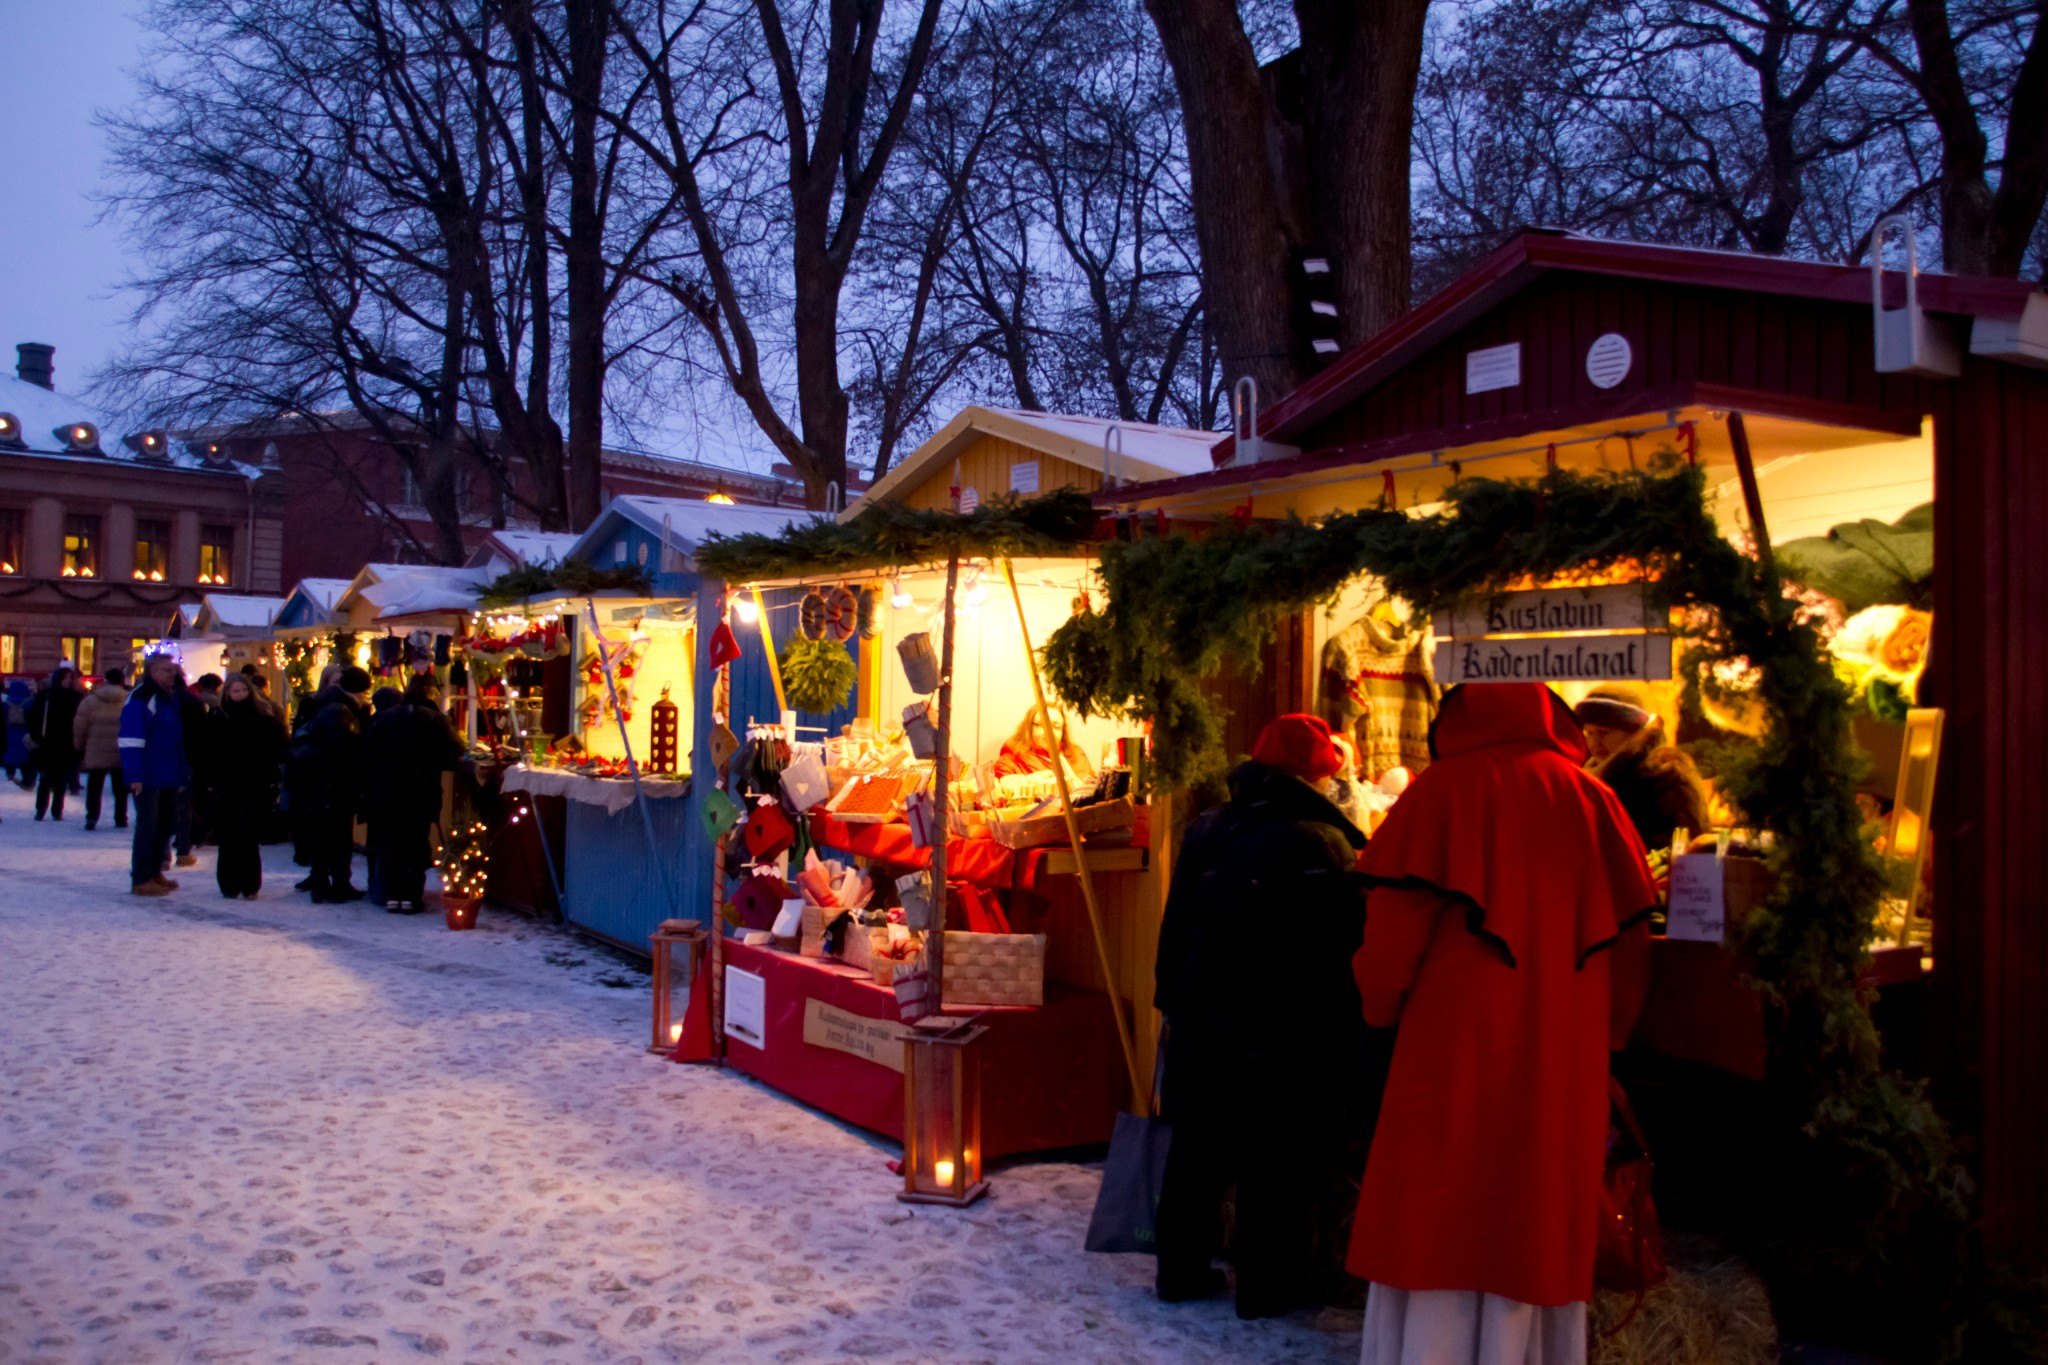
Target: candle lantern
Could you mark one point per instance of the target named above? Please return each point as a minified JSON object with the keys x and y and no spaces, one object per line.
{"x":664,"y":735}
{"x":679,"y":950}
{"x":942,"y":1112}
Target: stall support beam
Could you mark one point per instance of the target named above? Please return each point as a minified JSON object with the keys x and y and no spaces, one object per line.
{"x":1056,"y":738}
{"x":942,"y":772}
{"x":774,"y":663}
{"x":1752,"y":495}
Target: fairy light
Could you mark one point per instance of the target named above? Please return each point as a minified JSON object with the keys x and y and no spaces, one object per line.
{"x":899,"y":596}
{"x":747,"y":609}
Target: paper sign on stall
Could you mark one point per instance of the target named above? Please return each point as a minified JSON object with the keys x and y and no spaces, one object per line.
{"x":878,"y":1040}
{"x":1698,"y":911}
{"x":746,"y":1007}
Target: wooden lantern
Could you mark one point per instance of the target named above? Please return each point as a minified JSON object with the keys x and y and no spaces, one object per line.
{"x":664,"y":735}
{"x":679,"y":948}
{"x":942,"y":1112}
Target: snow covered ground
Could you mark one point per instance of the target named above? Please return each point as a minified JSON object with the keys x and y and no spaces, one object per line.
{"x":273,"y":1132}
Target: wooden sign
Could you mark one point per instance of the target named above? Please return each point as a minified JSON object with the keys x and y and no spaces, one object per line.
{"x":1555,"y":658}
{"x":1494,"y":367}
{"x":1550,"y":611}
{"x":878,"y":1040}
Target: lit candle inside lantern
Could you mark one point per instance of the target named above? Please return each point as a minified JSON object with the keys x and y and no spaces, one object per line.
{"x":944,"y":1171}
{"x":675,"y":1033}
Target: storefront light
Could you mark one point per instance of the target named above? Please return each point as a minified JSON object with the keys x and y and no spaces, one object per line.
{"x":747,"y":609}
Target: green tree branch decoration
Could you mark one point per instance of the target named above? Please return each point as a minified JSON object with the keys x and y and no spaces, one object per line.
{"x":1178,"y":606}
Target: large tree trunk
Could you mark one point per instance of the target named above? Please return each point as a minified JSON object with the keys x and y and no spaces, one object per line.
{"x":589,"y":24}
{"x":538,"y":435}
{"x":2023,"y":182}
{"x":821,"y":398}
{"x":1965,"y":193}
{"x":1246,"y":252}
{"x":1360,"y":63}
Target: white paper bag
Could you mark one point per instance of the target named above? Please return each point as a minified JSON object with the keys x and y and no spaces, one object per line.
{"x":790,"y":922}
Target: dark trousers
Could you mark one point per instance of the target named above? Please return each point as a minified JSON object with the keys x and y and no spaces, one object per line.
{"x":53,"y":780}
{"x":181,"y":831}
{"x":95,"y":780}
{"x":238,"y":867}
{"x":400,"y":846}
{"x":330,"y":848}
{"x":156,"y":817}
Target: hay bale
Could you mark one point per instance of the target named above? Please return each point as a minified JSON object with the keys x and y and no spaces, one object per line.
{"x":1712,"y":1311}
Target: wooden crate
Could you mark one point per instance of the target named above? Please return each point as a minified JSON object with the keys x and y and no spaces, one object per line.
{"x":994,"y":969}
{"x":1051,"y":828}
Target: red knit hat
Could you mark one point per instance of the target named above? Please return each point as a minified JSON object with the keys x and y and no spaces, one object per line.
{"x":1299,"y":744}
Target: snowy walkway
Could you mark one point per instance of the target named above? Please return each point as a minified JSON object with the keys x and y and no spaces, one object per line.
{"x":269,"y":1132}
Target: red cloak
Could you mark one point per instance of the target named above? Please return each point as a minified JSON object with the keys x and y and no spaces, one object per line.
{"x":1498,"y":879}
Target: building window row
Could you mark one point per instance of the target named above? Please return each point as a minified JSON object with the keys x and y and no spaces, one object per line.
{"x":82,"y":548}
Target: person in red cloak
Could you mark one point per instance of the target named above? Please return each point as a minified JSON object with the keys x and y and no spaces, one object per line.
{"x":1506,"y":936}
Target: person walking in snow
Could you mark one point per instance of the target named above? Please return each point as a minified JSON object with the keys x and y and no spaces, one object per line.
{"x":1254,"y":1107}
{"x":1506,"y":935}
{"x":97,"y":730}
{"x":154,"y":722}
{"x":410,"y":745}
{"x":50,"y":717}
{"x":246,"y":744}
{"x":327,"y":781}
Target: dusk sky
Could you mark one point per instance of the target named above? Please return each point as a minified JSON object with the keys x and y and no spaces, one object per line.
{"x":60,"y":268}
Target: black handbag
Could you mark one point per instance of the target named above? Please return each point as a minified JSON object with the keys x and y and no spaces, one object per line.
{"x":1126,"y":1217}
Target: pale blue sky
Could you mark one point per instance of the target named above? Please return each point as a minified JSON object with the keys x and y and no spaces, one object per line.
{"x":59,"y":267}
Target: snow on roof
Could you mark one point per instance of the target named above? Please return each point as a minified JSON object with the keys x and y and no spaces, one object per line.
{"x":44,"y":412}
{"x":1149,"y":452}
{"x":687,"y":521}
{"x":529,"y":547}
{"x":322,"y":592}
{"x":238,"y":611}
{"x":422,"y":588}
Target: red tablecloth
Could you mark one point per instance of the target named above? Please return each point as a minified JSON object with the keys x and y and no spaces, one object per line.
{"x":1052,"y":1077}
{"x":979,"y":861}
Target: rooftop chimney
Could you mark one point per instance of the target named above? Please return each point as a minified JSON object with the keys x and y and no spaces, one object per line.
{"x":33,"y":363}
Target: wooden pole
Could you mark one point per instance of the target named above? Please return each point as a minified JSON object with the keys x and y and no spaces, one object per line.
{"x":1752,"y":496}
{"x":774,"y":664}
{"x":1059,"y":777}
{"x":942,"y":773}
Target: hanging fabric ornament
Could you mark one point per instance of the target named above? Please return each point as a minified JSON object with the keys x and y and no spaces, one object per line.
{"x":768,"y":832}
{"x":842,"y":612}
{"x":724,"y":744}
{"x":869,"y":622}
{"x":725,"y":646}
{"x":758,"y":900}
{"x":719,"y":813}
{"x":811,"y":615}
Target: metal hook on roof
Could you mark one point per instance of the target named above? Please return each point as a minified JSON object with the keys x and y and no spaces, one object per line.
{"x":835,"y":498}
{"x":1244,"y":408}
{"x":1113,"y":470}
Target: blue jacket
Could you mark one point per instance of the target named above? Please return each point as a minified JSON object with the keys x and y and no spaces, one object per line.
{"x":153,"y":738}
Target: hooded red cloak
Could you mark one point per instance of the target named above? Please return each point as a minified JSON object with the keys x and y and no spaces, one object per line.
{"x":1498,"y":879}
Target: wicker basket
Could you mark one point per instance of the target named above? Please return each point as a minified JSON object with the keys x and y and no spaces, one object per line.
{"x":994,"y":969}
{"x":1040,"y":830}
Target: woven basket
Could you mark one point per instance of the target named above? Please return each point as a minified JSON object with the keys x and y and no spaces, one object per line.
{"x":994,"y":969}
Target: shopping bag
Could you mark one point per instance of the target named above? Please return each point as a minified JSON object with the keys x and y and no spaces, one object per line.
{"x":1628,"y":1256}
{"x":1126,"y":1216}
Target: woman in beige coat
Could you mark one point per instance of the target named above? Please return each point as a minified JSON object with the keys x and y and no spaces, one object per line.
{"x":97,"y":732}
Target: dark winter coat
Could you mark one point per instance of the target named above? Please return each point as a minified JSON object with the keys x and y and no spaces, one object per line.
{"x":50,"y":718}
{"x":410,"y":745}
{"x":18,"y":695}
{"x":97,"y":727}
{"x":1262,"y":919}
{"x":1659,"y":788}
{"x":245,"y":747}
{"x":153,"y":739}
{"x":327,"y":754}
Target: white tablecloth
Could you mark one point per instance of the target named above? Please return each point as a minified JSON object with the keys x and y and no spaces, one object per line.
{"x":612,"y":793}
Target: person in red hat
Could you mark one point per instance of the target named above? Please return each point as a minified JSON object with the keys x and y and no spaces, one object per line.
{"x":1506,"y":935}
{"x":1263,"y":1037}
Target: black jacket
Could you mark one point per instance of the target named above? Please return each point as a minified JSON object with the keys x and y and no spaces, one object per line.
{"x":245,"y":745}
{"x":1262,"y":920}
{"x":410,"y":746}
{"x":1659,"y":788}
{"x":50,"y":729}
{"x":327,"y":754}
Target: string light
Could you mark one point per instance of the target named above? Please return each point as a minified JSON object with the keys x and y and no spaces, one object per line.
{"x":747,"y":609}
{"x":899,"y":596}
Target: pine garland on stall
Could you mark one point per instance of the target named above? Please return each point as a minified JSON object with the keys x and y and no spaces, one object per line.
{"x":1876,"y":1198}
{"x":817,"y":675}
{"x":572,"y":577}
{"x":891,"y":536}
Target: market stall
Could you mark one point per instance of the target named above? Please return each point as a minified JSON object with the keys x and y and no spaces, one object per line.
{"x":914,"y":620}
{"x":1712,"y":479}
{"x":303,"y":632}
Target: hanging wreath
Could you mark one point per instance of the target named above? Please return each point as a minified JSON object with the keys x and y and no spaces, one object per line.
{"x":842,"y":613}
{"x":870,"y":620}
{"x":811,"y":615}
{"x":817,"y":675}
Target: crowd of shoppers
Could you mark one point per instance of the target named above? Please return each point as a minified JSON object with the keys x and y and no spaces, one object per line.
{"x":214,"y":761}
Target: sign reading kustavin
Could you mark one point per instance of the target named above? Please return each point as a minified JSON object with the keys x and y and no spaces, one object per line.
{"x":1598,"y":634}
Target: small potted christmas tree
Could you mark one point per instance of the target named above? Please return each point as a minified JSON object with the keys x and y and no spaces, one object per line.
{"x":465,"y":864}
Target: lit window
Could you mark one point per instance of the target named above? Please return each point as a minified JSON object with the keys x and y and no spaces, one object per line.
{"x":213,"y":555}
{"x":10,"y":543}
{"x":10,"y":654}
{"x":79,"y":650}
{"x":81,"y":547}
{"x":152,"y":551}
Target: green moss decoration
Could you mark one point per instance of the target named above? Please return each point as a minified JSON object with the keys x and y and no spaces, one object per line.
{"x":1879,"y":1199}
{"x":571,"y":578}
{"x":817,"y":675}
{"x":889,"y":536}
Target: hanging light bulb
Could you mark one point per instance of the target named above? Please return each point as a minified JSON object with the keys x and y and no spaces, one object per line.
{"x":977,"y":590}
{"x":747,"y":609}
{"x":899,"y":596}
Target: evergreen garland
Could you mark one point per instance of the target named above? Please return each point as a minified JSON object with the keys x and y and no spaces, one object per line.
{"x":1875,"y":1198}
{"x":571,"y":577}
{"x":891,"y":536}
{"x":817,"y":675}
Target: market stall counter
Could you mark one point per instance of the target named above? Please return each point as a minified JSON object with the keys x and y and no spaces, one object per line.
{"x":825,"y":1033}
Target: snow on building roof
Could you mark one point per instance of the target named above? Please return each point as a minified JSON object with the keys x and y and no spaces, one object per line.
{"x":237,"y":611}
{"x":684,"y":521}
{"x":1148,"y":451}
{"x":44,"y":413}
{"x":524,"y":547}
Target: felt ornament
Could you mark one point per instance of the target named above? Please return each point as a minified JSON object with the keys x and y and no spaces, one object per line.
{"x":811,"y":614}
{"x":868,"y":619}
{"x":842,"y":613}
{"x":759,"y":900}
{"x":725,"y":646}
{"x":768,"y":832}
{"x":724,"y":744}
{"x":719,"y":813}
